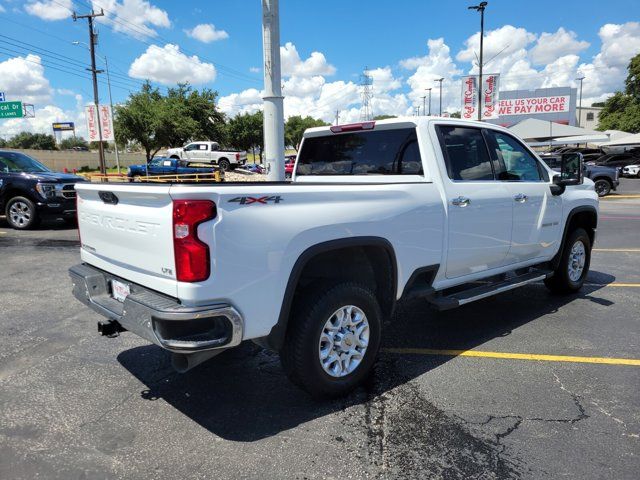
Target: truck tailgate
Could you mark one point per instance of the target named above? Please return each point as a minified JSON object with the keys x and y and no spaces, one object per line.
{"x":127,"y":230}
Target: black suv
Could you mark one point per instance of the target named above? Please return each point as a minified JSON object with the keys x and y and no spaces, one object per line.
{"x":30,"y":191}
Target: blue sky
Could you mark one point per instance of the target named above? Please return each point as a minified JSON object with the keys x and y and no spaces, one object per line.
{"x":406,"y":44}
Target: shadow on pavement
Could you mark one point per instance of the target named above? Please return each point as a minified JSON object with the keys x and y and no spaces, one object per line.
{"x":243,"y":395}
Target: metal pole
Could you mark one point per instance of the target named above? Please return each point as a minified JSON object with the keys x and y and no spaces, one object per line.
{"x":480,"y":89}
{"x":424,"y":105}
{"x":273,"y":100}
{"x":115,"y":143}
{"x":94,"y":74}
{"x":580,"y":102}
{"x":429,"y":101}
{"x":440,"y":80}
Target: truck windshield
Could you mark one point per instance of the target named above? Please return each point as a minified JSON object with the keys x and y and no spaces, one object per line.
{"x":15,"y":162}
{"x":375,"y":152}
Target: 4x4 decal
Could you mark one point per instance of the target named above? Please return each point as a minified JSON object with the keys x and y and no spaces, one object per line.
{"x":258,"y":200}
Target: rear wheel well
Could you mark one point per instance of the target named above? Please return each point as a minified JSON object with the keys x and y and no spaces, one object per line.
{"x":370,"y":265}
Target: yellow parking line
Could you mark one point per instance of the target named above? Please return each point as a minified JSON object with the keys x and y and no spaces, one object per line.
{"x":514,"y":356}
{"x":623,"y":250}
{"x":629,"y":285}
{"x":615,"y":197}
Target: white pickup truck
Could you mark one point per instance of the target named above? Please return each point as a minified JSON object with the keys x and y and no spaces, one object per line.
{"x":376,"y":212}
{"x":209,"y":152}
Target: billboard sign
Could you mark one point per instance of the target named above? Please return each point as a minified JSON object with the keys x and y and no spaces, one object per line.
{"x":11,"y":110}
{"x":489,"y":97}
{"x":534,"y":105}
{"x":64,"y":127}
{"x":2,"y":99}
{"x":103,"y":114}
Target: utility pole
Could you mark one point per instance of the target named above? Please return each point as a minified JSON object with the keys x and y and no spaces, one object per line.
{"x":440,"y":80}
{"x":94,"y":74}
{"x":480,"y":8}
{"x":424,"y":104}
{"x":429,"y":90}
{"x":337,"y":117}
{"x":580,"y":101}
{"x":273,"y":100}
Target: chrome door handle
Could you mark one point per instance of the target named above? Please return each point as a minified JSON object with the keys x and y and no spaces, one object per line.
{"x":461,"y":201}
{"x":521,"y":198}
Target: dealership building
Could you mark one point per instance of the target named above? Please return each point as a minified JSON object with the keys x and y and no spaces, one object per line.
{"x":556,"y":104}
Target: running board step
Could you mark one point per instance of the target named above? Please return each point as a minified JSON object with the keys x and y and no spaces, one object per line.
{"x":477,"y":293}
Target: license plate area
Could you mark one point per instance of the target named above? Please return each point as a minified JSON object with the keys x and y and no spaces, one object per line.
{"x":119,"y":290}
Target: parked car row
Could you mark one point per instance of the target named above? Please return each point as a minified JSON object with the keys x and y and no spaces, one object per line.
{"x":595,"y":156}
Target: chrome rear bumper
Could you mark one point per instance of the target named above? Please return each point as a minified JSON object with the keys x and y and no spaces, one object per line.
{"x":158,"y":318}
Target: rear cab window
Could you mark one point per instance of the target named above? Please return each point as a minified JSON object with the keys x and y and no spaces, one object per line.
{"x":374,"y":152}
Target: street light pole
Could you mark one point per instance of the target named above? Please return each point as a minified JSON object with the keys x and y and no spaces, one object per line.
{"x":580,"y":102}
{"x":429,"y":90}
{"x":424,"y":105}
{"x":480,"y":8}
{"x":273,"y":99}
{"x":440,"y":80}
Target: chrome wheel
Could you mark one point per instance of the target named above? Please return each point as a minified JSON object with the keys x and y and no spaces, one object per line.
{"x":602,"y":187}
{"x":20,"y":214}
{"x":343,"y":341}
{"x":577,"y":259}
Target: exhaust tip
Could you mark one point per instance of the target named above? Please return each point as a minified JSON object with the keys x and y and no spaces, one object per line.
{"x":183,"y":362}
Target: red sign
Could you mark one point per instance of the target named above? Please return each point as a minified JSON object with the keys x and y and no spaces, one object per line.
{"x":523,"y":106}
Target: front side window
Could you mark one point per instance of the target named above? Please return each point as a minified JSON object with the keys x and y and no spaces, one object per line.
{"x":465,"y":153}
{"x":16,"y":162}
{"x":517,"y":163}
{"x":376,"y":152}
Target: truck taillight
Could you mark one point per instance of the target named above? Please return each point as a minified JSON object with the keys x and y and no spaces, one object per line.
{"x":191,"y":253}
{"x":237,"y":156}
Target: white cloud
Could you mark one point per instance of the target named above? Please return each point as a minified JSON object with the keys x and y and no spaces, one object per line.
{"x":2,"y":9}
{"x":132,"y":17}
{"x":551,"y":46}
{"x":607,"y":71}
{"x":247,"y":101}
{"x":167,"y":65}
{"x":47,"y":115}
{"x":22,"y":78}
{"x":429,"y":68}
{"x":292,"y":64}
{"x":255,"y":70}
{"x":49,"y":9}
{"x":206,"y":33}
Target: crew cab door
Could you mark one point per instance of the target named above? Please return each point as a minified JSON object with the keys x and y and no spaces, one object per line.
{"x":479,"y":206}
{"x":536,"y":212}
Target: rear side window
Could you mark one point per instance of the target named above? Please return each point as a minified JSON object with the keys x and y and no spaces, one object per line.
{"x":465,"y":153}
{"x":377,"y":152}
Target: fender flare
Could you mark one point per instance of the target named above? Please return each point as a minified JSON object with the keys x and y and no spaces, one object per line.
{"x":276,"y":336}
{"x":555,"y":261}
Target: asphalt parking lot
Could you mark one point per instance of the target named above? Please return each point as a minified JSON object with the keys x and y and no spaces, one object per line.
{"x":530,"y":398}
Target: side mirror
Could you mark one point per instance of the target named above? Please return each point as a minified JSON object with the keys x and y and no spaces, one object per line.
{"x":571,"y":172}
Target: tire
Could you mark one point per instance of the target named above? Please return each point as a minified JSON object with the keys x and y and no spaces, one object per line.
{"x":224,"y":164}
{"x":602,"y":187}
{"x":303,"y":351}
{"x":21,"y":213}
{"x":565,"y":278}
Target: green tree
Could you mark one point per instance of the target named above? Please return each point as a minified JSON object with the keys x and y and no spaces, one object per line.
{"x":622,"y":110}
{"x":36,"y":141}
{"x":455,"y":115}
{"x":71,"y":142}
{"x":244,"y":131}
{"x":295,"y":126}
{"x":384,"y":117}
{"x":155,"y":121}
{"x":3,"y":143}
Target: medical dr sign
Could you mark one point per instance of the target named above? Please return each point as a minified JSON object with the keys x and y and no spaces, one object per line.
{"x":523,"y":106}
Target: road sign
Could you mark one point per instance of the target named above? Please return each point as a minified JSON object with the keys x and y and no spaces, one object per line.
{"x":11,"y":110}
{"x":63,"y":126}
{"x":1,"y":96}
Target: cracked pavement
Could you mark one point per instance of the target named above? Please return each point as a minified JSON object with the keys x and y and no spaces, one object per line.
{"x":75,"y":405}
